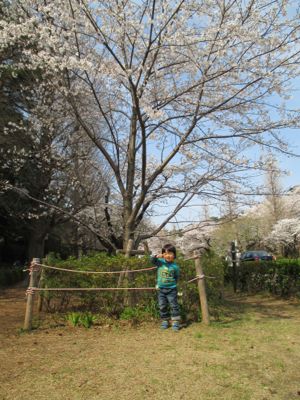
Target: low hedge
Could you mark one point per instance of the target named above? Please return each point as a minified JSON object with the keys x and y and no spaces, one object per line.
{"x":112,"y":303}
{"x":280,"y":277}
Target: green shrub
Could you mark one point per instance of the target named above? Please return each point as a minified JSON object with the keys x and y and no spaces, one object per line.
{"x":112,"y":303}
{"x":279,"y":277}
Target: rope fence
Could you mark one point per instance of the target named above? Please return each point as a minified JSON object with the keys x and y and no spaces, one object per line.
{"x":201,"y":277}
{"x":88,"y":272}
{"x":31,"y":290}
{"x":36,"y":266}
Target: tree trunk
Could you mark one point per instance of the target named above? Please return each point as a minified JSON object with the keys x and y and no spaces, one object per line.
{"x":36,"y":245}
{"x":128,"y":234}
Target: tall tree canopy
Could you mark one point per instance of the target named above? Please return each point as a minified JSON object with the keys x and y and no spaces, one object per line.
{"x":172,"y":94}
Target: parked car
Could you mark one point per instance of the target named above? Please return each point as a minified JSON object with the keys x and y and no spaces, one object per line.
{"x":257,"y":255}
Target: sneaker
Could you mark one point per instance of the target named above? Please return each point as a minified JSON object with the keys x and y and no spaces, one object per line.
{"x":164,"y":325}
{"x":175,"y":325}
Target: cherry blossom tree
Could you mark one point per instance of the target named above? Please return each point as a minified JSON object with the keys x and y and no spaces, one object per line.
{"x":48,"y":171}
{"x":286,"y":234}
{"x":171,"y":94}
{"x":292,"y":202}
{"x":48,"y":182}
{"x":274,"y":196}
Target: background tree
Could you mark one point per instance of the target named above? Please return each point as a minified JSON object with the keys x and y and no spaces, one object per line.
{"x":285,"y":234}
{"x":49,"y":172}
{"x":274,"y":201}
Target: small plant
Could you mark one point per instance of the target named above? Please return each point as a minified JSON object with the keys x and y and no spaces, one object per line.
{"x":73,"y":318}
{"x":151,"y":308}
{"x":87,"y":320}
{"x":129,"y":313}
{"x":132,"y":313}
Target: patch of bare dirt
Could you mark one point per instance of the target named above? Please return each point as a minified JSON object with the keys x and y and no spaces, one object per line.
{"x":267,"y":306}
{"x":12,"y":309}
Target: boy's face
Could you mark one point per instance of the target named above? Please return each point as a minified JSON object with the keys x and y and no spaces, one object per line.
{"x":169,"y":256}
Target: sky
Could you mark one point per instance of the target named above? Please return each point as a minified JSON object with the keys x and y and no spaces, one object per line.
{"x":195,"y":212}
{"x":290,"y":164}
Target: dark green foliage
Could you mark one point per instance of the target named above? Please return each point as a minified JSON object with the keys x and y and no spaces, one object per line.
{"x":110,"y":303}
{"x":279,"y":278}
{"x":11,"y":275}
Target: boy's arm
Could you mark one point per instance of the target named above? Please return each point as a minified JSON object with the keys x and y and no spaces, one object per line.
{"x":155,"y":261}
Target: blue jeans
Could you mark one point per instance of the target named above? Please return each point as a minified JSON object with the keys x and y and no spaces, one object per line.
{"x":168,"y":297}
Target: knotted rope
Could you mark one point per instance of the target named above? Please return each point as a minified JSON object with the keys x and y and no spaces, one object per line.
{"x":31,"y":290}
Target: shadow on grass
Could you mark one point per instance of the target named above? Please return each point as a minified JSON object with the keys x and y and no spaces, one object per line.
{"x":239,"y":307}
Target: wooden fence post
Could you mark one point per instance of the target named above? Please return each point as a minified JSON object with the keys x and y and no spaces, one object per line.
{"x":41,"y":294}
{"x":234,"y":265}
{"x":202,"y":291}
{"x":30,"y":295}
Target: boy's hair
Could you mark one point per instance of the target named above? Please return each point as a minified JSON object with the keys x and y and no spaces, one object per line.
{"x":169,"y":248}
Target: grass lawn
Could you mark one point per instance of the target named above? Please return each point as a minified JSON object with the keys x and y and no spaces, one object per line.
{"x":251,"y":352}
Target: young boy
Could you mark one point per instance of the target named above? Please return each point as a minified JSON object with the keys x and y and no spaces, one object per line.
{"x":167,"y":277}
